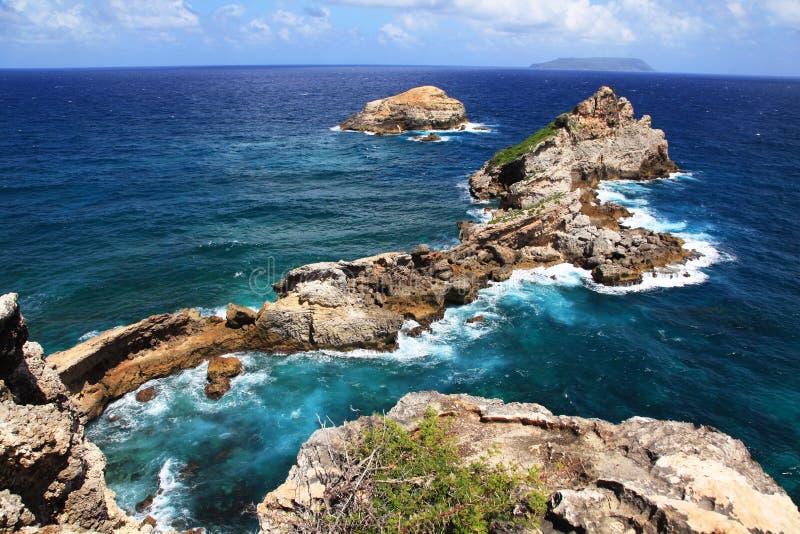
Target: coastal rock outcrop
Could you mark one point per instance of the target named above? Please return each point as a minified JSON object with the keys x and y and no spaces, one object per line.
{"x":549,"y":213}
{"x":120,"y":360}
{"x":641,"y":475}
{"x":420,"y":108}
{"x":554,"y":174}
{"x":219,"y":374}
{"x":50,"y":474}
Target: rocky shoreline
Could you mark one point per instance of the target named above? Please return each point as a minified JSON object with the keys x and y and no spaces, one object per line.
{"x":641,"y":475}
{"x":548,"y":214}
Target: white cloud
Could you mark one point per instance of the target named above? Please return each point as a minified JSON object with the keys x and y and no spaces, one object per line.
{"x":32,"y":21}
{"x":287,"y":25}
{"x":229,"y":11}
{"x":257,"y":30}
{"x":393,"y":34}
{"x":580,"y":19}
{"x":784,"y":13}
{"x":154,"y":14}
{"x":311,"y":24}
{"x":737,"y":10}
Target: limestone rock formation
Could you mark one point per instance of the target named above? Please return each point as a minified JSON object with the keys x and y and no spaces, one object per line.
{"x":599,"y":140}
{"x":219,"y":374}
{"x":420,"y":108}
{"x":50,"y":474}
{"x":238,"y":316}
{"x":554,"y":174}
{"x":641,"y":475}
{"x":120,"y":360}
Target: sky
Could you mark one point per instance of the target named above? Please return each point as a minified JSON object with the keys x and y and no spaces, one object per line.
{"x":695,"y":36}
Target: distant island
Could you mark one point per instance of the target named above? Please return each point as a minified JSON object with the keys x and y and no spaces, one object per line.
{"x":616,"y":64}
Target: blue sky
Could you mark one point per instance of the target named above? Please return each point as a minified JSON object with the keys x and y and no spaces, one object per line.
{"x":736,"y":37}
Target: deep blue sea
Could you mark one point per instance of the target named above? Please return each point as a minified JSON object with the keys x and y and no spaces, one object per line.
{"x":128,"y":192}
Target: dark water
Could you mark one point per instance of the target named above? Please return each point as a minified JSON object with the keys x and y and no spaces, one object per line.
{"x":131,"y":192}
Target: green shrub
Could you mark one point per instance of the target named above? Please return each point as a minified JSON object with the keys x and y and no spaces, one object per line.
{"x":417,"y":482}
{"x":507,"y":155}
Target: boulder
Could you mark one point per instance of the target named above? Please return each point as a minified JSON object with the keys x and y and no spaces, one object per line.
{"x":430,"y":138}
{"x":146,"y":394}
{"x":420,"y":108}
{"x":612,"y":274}
{"x":238,"y":316}
{"x":219,"y":374}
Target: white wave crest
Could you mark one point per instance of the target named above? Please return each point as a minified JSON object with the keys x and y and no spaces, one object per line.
{"x":88,"y":335}
{"x":163,"y":508}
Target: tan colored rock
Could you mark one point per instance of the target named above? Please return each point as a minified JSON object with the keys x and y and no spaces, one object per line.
{"x":239,"y":316}
{"x":120,"y":360}
{"x":146,"y":394}
{"x":420,"y":108}
{"x":641,"y":475}
{"x":219,"y":374}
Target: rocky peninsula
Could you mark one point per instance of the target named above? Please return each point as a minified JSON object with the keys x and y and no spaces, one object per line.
{"x":548,"y":213}
{"x":641,"y":475}
{"x":420,"y":108}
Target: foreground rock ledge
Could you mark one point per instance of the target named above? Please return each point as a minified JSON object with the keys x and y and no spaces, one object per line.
{"x":420,"y":108}
{"x":641,"y":475}
{"x":50,"y":474}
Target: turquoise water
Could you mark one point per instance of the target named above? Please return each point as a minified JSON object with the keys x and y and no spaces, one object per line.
{"x":129,"y":192}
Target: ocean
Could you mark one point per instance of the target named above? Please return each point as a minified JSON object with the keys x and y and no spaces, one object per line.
{"x":129,"y":192}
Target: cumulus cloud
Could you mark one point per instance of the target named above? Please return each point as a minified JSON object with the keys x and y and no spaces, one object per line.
{"x":393,"y":34}
{"x":29,"y":21}
{"x":154,"y":14}
{"x":784,"y":13}
{"x":229,"y":11}
{"x":613,"y":22}
{"x":288,"y":25}
{"x":257,"y":30}
{"x":581,"y":19}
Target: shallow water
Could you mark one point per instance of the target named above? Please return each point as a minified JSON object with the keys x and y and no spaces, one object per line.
{"x":130,"y":192}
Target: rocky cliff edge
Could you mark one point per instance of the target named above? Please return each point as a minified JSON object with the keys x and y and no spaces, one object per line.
{"x":641,"y":475}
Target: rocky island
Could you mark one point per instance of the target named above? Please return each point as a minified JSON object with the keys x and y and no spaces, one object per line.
{"x":548,"y":213}
{"x":605,"y":64}
{"x":420,"y":108}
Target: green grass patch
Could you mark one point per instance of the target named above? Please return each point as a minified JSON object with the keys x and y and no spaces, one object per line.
{"x":527,"y":212}
{"x":512,"y":153}
{"x":416,"y":482}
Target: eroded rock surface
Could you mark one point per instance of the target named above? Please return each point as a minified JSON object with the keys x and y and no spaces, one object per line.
{"x":420,"y":108}
{"x":50,"y":474}
{"x":219,"y":374}
{"x":120,"y":360}
{"x":641,"y":475}
{"x":560,"y":169}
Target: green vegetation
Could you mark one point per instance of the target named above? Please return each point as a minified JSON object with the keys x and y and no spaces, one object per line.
{"x":529,"y":211}
{"x":416,"y":482}
{"x":507,"y":155}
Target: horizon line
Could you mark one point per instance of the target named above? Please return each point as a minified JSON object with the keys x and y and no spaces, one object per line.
{"x":386,"y":65}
